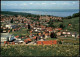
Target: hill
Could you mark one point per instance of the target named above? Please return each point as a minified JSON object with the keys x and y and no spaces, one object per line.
{"x":74,"y":24}
{"x":17,"y":13}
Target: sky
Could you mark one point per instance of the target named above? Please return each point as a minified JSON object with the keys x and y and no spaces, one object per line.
{"x":39,"y":4}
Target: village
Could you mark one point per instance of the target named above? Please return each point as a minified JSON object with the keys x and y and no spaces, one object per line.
{"x":25,"y":30}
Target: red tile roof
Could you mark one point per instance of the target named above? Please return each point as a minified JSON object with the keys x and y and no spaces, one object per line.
{"x":26,"y":40}
{"x":39,"y":42}
{"x":16,"y":36}
{"x":34,"y":37}
{"x":50,"y":42}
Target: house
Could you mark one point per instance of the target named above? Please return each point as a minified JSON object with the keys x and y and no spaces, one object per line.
{"x":34,"y":37}
{"x":50,"y":42}
{"x":64,"y":32}
{"x":50,"y":31}
{"x":77,"y":36}
{"x":18,"y":41}
{"x":74,"y":35}
{"x":43,"y":32}
{"x":46,"y":35}
{"x":58,"y":33}
{"x":39,"y":42}
{"x":58,"y":29}
{"x":9,"y":26}
{"x":27,"y":40}
{"x":41,"y":39}
{"x":68,"y":33}
{"x":39,"y":34}
{"x":4,"y":31}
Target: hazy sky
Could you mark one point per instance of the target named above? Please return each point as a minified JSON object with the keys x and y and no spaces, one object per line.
{"x":39,"y":4}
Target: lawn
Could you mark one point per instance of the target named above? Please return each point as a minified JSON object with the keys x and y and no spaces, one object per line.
{"x":21,"y":32}
{"x":40,"y":50}
{"x":51,"y":38}
{"x":71,"y":41}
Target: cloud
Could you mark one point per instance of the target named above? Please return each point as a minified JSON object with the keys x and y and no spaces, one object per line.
{"x":53,"y":3}
{"x":43,"y":3}
{"x":73,"y":2}
{"x":3,"y":4}
{"x":24,"y":4}
{"x":13,"y":4}
{"x":65,"y":3}
{"x":30,"y":3}
{"x":37,"y":3}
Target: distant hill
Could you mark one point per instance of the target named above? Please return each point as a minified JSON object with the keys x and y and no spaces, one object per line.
{"x":14,"y":13}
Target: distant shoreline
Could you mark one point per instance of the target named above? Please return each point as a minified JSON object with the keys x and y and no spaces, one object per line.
{"x":51,"y":12}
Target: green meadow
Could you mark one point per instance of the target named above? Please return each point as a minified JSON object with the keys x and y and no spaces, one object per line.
{"x":40,"y":50}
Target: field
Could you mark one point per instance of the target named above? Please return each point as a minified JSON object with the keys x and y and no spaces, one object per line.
{"x":40,"y":50}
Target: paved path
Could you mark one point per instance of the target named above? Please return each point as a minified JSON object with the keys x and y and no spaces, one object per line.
{"x":67,"y":38}
{"x":31,"y":43}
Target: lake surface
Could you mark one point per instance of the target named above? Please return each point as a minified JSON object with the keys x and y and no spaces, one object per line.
{"x":53,"y":12}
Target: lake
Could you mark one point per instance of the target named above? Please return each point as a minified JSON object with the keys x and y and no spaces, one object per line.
{"x":53,"y":12}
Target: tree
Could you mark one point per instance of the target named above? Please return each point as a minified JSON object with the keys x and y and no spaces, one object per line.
{"x":76,"y":15}
{"x":16,"y":15}
{"x":61,"y":26}
{"x":69,"y":17}
{"x":51,"y":23}
{"x":53,"y":35}
{"x":29,"y":26}
{"x":11,"y":21}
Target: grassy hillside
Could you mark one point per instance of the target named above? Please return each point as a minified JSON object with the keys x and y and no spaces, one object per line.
{"x":74,"y":24}
{"x":40,"y":50}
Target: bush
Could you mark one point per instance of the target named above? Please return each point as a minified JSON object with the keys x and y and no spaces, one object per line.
{"x":53,"y":35}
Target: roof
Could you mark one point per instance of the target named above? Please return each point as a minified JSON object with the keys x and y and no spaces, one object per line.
{"x":50,"y":42}
{"x":26,"y":40}
{"x":16,"y":36}
{"x":34,"y":37}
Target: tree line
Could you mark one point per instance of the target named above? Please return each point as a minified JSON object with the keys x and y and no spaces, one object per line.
{"x":73,"y":16}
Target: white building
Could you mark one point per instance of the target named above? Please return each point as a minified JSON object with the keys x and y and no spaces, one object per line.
{"x":6,"y":37}
{"x":9,"y":26}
